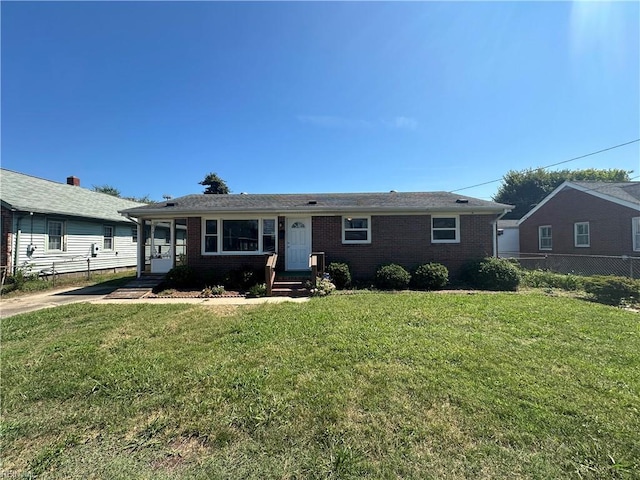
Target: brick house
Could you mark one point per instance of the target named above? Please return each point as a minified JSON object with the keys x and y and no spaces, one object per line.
{"x":365,"y":230}
{"x":47,"y":226}
{"x":585,"y":218}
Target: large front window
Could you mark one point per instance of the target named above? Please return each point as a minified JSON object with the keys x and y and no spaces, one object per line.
{"x":240,"y":235}
{"x":445,"y":229}
{"x":636,"y":233}
{"x":254,"y":235}
{"x":356,"y":230}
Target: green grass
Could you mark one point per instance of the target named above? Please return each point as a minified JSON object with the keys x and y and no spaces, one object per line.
{"x":411,"y":385}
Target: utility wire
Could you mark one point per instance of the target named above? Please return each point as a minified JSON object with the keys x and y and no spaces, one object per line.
{"x":553,"y":164}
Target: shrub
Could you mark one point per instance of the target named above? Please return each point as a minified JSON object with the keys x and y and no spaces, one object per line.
{"x":612,"y":290}
{"x":257,"y":290}
{"x":430,"y":276}
{"x":241,"y":278}
{"x":392,"y":277}
{"x":323,"y":288}
{"x":492,"y":274}
{"x":180,"y":277}
{"x":212,"y":291}
{"x":546,"y":279}
{"x":339,"y":274}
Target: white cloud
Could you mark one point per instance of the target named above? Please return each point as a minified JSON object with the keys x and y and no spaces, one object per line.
{"x":402,"y":123}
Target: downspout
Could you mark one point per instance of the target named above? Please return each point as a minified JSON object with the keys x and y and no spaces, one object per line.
{"x":495,"y":231}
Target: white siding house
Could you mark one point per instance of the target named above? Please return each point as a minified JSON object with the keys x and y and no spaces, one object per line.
{"x":49,"y":226}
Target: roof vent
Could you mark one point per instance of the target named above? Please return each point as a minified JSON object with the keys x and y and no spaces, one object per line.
{"x":244,"y":193}
{"x":462,"y":200}
{"x":393,"y":191}
{"x":170,"y":204}
{"x":312,"y":202}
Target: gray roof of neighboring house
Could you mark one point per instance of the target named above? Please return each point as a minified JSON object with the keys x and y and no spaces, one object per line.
{"x":626,"y":191}
{"x":318,"y":202}
{"x":31,"y":194}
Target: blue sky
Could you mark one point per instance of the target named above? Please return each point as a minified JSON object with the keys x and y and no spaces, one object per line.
{"x":148,"y":97}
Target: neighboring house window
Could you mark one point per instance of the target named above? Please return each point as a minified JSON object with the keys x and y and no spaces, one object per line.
{"x":55,"y":232}
{"x":134,"y":234}
{"x":445,"y":229}
{"x":581,"y":234}
{"x":636,"y":233}
{"x":544,"y":237}
{"x":107,"y":244}
{"x":211,"y":236}
{"x":356,"y":230}
{"x":256,"y":235}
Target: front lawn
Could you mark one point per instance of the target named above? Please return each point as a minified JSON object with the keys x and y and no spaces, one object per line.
{"x":410,"y":385}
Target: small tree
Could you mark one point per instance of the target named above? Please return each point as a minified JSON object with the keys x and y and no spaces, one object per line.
{"x":214,"y":184}
{"x":108,"y":189}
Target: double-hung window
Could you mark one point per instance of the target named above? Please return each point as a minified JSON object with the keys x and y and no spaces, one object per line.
{"x":581,"y":234}
{"x":544,"y":237}
{"x":108,"y":237}
{"x":134,"y":234}
{"x":253,"y":235}
{"x":445,"y":229}
{"x":635,"y":223}
{"x":55,"y":234}
{"x":356,"y":230}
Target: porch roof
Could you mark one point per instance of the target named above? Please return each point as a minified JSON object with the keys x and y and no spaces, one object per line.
{"x":309,"y":203}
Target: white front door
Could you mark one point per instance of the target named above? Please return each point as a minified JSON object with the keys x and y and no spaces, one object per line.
{"x":298,"y":243}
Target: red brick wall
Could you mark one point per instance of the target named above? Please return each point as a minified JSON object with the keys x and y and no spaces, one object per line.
{"x":403,"y":239}
{"x":5,"y":247}
{"x":609,"y":225}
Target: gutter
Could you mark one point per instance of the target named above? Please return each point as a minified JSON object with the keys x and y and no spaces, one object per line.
{"x":494,"y":223}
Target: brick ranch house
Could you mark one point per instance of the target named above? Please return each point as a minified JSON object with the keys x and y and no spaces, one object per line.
{"x":365,"y":230}
{"x":598,"y":219}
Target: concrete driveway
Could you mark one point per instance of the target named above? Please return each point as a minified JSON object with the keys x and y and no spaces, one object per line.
{"x":51,"y":298}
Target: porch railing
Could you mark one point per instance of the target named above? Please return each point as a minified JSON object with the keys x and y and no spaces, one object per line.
{"x":316,"y":264}
{"x":270,"y":272}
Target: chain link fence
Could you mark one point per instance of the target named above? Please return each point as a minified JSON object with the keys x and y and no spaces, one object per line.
{"x":624,"y":265}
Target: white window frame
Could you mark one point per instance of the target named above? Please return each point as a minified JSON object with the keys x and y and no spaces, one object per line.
{"x":635,"y":232}
{"x":349,"y":218}
{"x":576,"y":226}
{"x":219,"y":235}
{"x":441,"y":229}
{"x":63,"y":235}
{"x":105,"y":237}
{"x":540,"y":238}
{"x":134,"y":234}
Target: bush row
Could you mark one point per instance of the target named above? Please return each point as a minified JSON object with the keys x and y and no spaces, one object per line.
{"x":484,"y":274}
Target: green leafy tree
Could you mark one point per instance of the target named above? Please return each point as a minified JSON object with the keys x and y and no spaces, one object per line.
{"x":108,"y":189}
{"x":113,"y":191}
{"x":214,"y":184}
{"x":525,"y":189}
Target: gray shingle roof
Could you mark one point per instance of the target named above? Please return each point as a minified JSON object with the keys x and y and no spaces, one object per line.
{"x":318,"y":202}
{"x":31,"y":194}
{"x":626,"y":191}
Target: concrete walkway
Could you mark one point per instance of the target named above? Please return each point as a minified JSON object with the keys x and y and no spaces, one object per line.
{"x":100,"y":295}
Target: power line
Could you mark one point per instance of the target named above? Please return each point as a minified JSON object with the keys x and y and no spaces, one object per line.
{"x":553,"y":164}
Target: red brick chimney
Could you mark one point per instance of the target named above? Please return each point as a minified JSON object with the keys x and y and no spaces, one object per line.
{"x":75,"y":181}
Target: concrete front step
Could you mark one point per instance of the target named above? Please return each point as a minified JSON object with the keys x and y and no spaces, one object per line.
{"x":289,"y":288}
